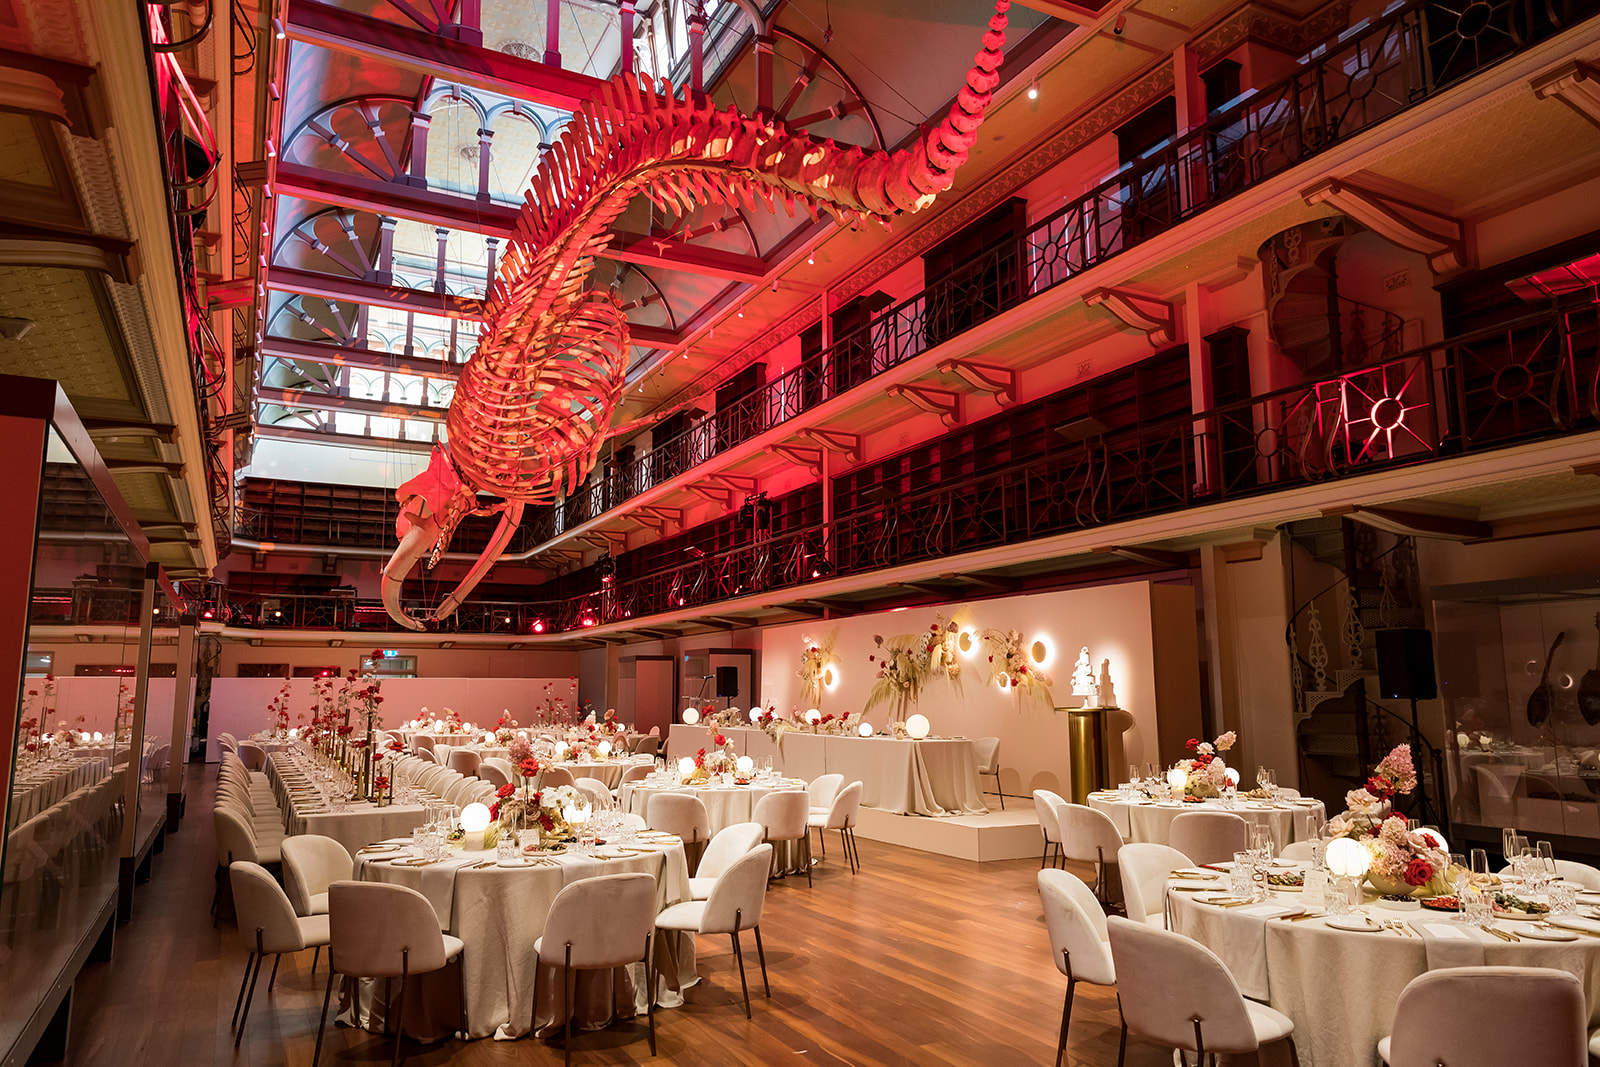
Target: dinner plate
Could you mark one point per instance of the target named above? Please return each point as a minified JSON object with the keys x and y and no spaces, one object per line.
{"x":520,"y":861}
{"x":1354,"y":923}
{"x":1547,"y":933}
{"x":1285,"y":863}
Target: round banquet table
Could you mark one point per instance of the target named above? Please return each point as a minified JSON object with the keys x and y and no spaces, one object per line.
{"x":607,"y":771}
{"x":725,"y":805}
{"x":498,"y":913}
{"x":1142,"y":820}
{"x":1340,"y":987}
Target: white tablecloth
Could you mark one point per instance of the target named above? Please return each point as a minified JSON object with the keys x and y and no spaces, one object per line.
{"x":725,"y":805}
{"x":1340,"y":987}
{"x":609,"y":771}
{"x":359,"y":825}
{"x":499,"y":913}
{"x":43,"y":785}
{"x":1151,"y":821}
{"x":684,"y":740}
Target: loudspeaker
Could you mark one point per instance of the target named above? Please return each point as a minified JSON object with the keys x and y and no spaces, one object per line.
{"x":1405,"y":665}
{"x":727,"y":681}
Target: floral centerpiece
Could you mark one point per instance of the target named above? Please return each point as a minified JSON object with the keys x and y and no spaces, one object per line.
{"x":771,"y":725}
{"x":1207,"y":771}
{"x":525,"y":808}
{"x":1009,"y":665}
{"x":505,"y":728}
{"x":1404,"y":861}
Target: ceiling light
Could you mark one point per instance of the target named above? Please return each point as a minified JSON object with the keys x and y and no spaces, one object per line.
{"x":811,"y":258}
{"x":277,"y":29}
{"x":1033,"y":91}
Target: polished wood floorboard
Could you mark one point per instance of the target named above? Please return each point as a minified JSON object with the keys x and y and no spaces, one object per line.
{"x":919,"y":959}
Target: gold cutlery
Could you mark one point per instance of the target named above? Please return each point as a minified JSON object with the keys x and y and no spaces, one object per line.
{"x":1501,"y":934}
{"x":1298,"y":918}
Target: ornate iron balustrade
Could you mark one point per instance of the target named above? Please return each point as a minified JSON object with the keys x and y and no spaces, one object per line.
{"x":1376,"y":71}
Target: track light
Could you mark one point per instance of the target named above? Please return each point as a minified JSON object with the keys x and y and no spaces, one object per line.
{"x":1033,"y":91}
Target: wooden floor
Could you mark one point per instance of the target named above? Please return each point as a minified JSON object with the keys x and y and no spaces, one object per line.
{"x":919,"y":959}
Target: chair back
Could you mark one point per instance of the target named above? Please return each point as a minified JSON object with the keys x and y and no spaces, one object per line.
{"x":262,"y":906}
{"x":1077,"y":927}
{"x":493,"y":775}
{"x":378,"y":930}
{"x":1298,"y":851}
{"x":645,"y":745}
{"x":1166,"y":981}
{"x":599,"y":795}
{"x":785,"y":815}
{"x":1584,"y":875}
{"x":1044,"y":804}
{"x":823,"y":788}
{"x":986,"y":751}
{"x":729,"y":844}
{"x":842,"y":813}
{"x":1479,"y":1016}
{"x":607,"y":921}
{"x":465,"y":762}
{"x":1144,"y":869}
{"x":637,"y":773}
{"x":235,"y":840}
{"x":311,"y":864}
{"x":679,"y":813}
{"x":458,"y":790}
{"x":501,"y":764}
{"x":254,"y":756}
{"x":422,"y":743}
{"x":739,"y":893}
{"x":1209,"y":836}
{"x":554,"y":776}
{"x":1087,"y":834}
{"x":425,"y":754}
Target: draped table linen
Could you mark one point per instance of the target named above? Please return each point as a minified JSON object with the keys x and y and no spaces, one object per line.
{"x":498,"y":913}
{"x":725,"y":805}
{"x":1340,"y":987}
{"x":1151,"y":821}
{"x":359,"y":825}
{"x":42,"y":786}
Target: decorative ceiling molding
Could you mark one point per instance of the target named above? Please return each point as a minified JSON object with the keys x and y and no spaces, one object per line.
{"x":1441,"y":238}
{"x":1575,"y":84}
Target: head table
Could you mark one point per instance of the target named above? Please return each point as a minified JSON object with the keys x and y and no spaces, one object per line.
{"x":1142,"y":820}
{"x":934,"y":776}
{"x":498,"y":912}
{"x":1340,"y":986}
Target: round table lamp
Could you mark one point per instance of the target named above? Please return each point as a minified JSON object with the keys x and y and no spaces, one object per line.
{"x":1233,"y":777}
{"x":745,"y":765}
{"x":604,"y":748}
{"x":686,"y":766}
{"x":1347,"y":858}
{"x":691,"y":716}
{"x":813,"y":716}
{"x":917,"y":727}
{"x":1177,"y":778}
{"x":474,"y":821}
{"x":865,"y":729}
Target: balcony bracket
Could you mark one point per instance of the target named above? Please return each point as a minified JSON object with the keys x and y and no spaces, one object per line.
{"x":940,"y":402}
{"x":1439,"y":237}
{"x":715,"y":493}
{"x":846,"y":444}
{"x":1155,"y":318}
{"x":1000,"y":382}
{"x":800,"y":456}
{"x":1575,"y":84}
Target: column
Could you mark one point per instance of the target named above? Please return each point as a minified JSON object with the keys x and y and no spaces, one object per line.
{"x":141,"y":692}
{"x":182,"y":703}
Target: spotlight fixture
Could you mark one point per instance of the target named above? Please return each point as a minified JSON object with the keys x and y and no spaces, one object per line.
{"x":277,"y":29}
{"x":538,"y":625}
{"x":821,"y":568}
{"x":1033,"y":91}
{"x":607,"y":567}
{"x":811,"y":258}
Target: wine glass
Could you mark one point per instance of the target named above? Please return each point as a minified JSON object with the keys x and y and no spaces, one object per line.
{"x":1547,"y":858}
{"x":1480,"y":866}
{"x":1460,"y":878}
{"x":1508,"y":844}
{"x":1261,"y":841}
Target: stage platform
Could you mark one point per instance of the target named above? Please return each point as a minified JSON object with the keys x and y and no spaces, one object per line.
{"x":1000,"y":835}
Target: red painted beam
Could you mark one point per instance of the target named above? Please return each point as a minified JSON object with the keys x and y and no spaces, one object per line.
{"x":433,"y":56}
{"x":497,"y":220}
{"x":422,"y":301}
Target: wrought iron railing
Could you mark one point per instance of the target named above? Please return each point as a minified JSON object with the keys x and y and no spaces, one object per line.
{"x":1373,"y":72}
{"x":1535,"y":377}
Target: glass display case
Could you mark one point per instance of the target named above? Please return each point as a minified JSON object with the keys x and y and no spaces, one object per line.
{"x":74,"y":749}
{"x":1519,"y":672}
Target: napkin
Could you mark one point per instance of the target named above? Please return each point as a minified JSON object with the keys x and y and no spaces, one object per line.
{"x":1451,"y":944}
{"x":1572,"y":922}
{"x":1266,"y":909}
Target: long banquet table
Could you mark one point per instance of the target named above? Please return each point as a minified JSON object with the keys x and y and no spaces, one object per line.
{"x":360,"y":824}
{"x":1340,"y":987}
{"x":934,"y":776}
{"x":498,"y":913}
{"x":42,"y":785}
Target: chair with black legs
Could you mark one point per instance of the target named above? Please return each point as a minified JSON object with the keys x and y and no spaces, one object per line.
{"x":268,"y":923}
{"x":377,"y":930}
{"x":734,"y":905}
{"x":1078,"y":942}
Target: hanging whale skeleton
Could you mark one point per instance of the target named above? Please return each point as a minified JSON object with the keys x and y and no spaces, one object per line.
{"x":533,"y":405}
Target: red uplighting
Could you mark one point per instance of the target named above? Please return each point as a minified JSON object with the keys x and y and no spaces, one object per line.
{"x":538,"y":626}
{"x":588,"y":620}
{"x":206,"y":614}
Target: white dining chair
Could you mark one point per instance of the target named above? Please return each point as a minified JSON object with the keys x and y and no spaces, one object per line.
{"x":1179,"y":994}
{"x":254,"y":756}
{"x":637,"y":773}
{"x":786,"y":816}
{"x":1090,"y":837}
{"x":1582,"y":874}
{"x":269,"y":925}
{"x":493,"y":775}
{"x":735,"y":905}
{"x":986,"y":752}
{"x":841,"y":816}
{"x":1297,"y":852}
{"x":598,"y":792}
{"x":1045,"y":804}
{"x":426,"y":755}
{"x":378,"y":930}
{"x":464,"y":762}
{"x":727,"y":845}
{"x":556,"y":776}
{"x":1079,"y":944}
{"x":1489,"y":1017}
{"x":597,"y":924}
{"x":1209,"y":836}
{"x":311,"y":864}
{"x":684,"y":815}
{"x":822,"y":789}
{"x":1144,"y":868}
{"x":501,"y":764}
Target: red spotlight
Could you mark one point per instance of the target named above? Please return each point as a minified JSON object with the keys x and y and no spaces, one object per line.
{"x":538,"y":626}
{"x":588,"y":620}
{"x":206,"y":614}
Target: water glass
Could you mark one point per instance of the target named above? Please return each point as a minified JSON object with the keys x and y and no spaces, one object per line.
{"x":505,"y":846}
{"x":1479,"y":905}
{"x":1563,"y":898}
{"x":1230,"y":797}
{"x":1480,"y":866}
{"x":1261,"y":842}
{"x":1337,"y":897}
{"x":419,"y":841}
{"x":1241,"y":880}
{"x":1547,"y":857}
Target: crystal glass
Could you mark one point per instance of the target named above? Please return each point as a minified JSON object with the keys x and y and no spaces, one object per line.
{"x":1479,"y":905}
{"x":1547,"y":857}
{"x":1563,"y":898}
{"x":1240,"y":883}
{"x":1480,"y":866}
{"x":1511,"y":846}
{"x":1230,"y":798}
{"x":419,"y":841}
{"x":1261,"y":841}
{"x":1337,"y":897}
{"x":505,"y":846}
{"x":1133,"y":776}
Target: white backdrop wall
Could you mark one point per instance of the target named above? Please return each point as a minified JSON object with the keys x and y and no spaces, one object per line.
{"x":96,"y":700}
{"x":239,"y":705}
{"x":1135,"y":626}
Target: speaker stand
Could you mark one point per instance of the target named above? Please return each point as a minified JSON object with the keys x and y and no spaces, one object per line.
{"x":1426,"y":812}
